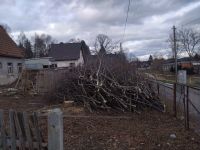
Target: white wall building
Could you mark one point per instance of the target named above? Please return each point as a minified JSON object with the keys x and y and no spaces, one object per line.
{"x":69,"y":54}
{"x":39,"y":63}
{"x":11,"y":59}
{"x":71,"y":63}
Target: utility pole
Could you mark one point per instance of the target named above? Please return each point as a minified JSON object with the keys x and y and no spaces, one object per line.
{"x":175,"y":53}
{"x":176,"y":78}
{"x":120,"y":47}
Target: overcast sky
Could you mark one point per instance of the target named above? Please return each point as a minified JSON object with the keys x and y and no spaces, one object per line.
{"x":148,"y":27}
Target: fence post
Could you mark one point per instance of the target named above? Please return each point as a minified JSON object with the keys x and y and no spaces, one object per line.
{"x":187,"y":109}
{"x":55,"y":130}
{"x":2,"y":131}
{"x":174,"y":100}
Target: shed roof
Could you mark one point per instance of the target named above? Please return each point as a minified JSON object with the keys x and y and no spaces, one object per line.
{"x":65,"y":51}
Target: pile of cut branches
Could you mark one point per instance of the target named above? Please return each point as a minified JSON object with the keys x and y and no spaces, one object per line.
{"x":108,"y":84}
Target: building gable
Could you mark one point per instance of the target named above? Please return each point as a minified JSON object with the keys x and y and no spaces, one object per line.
{"x":8,"y":47}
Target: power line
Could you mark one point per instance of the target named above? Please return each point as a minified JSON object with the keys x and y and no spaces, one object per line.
{"x":129,"y":3}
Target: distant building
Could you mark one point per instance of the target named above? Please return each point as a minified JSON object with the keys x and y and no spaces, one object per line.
{"x":143,"y":64}
{"x":183,"y":63}
{"x":11,"y":59}
{"x":40,"y":63}
{"x":69,"y":54}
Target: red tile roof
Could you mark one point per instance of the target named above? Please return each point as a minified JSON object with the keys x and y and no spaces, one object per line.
{"x":8,"y":47}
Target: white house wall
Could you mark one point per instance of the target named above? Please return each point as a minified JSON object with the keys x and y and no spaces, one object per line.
{"x":80,"y":61}
{"x":6,"y":78}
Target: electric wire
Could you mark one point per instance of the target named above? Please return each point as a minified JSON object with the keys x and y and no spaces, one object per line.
{"x":126,"y":20}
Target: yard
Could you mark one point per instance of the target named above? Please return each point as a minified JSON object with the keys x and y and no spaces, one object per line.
{"x":111,"y":130}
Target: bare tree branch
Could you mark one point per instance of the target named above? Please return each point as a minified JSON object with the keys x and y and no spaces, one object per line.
{"x":189,"y":41}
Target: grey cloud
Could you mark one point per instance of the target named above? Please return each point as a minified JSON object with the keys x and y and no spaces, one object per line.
{"x":149,"y":21}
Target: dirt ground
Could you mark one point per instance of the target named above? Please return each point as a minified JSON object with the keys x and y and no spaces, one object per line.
{"x":111,"y":131}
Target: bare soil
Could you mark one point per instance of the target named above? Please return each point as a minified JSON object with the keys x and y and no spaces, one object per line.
{"x":109,"y":130}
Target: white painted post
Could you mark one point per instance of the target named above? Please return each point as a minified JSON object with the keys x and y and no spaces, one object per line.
{"x":55,"y":130}
{"x":182,"y":77}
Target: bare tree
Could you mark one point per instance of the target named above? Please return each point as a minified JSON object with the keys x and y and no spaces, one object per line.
{"x":103,"y":44}
{"x":24,"y":43}
{"x":171,"y":44}
{"x":157,"y":61}
{"x":39,"y":46}
{"x":157,"y":55}
{"x":21,"y":39}
{"x":42,"y":44}
{"x":131,"y":57}
{"x":48,"y":40}
{"x":189,"y":41}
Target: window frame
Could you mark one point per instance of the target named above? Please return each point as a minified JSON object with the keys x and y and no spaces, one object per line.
{"x":72,"y":64}
{"x":19,"y":67}
{"x":10,"y":68}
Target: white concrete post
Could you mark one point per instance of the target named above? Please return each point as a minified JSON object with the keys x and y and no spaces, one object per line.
{"x":55,"y":130}
{"x":182,"y":77}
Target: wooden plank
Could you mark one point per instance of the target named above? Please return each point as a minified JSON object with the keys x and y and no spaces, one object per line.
{"x":55,"y":130}
{"x":21,"y":123}
{"x":33,"y":131}
{"x":12,"y":130}
{"x":19,"y":131}
{"x":37,"y":131}
{"x":31,"y":125}
{"x":27,"y":131}
{"x":2,"y":131}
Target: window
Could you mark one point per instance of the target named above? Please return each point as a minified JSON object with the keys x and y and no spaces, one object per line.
{"x":45,"y":66}
{"x":1,"y":66}
{"x":10,"y":67}
{"x":19,"y":66}
{"x":72,"y":64}
{"x":53,"y":66}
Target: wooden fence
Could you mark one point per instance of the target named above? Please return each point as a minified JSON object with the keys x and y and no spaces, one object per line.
{"x":40,"y":81}
{"x":23,"y":131}
{"x":48,"y":79}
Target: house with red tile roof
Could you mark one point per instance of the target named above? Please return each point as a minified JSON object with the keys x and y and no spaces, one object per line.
{"x":11,"y":58}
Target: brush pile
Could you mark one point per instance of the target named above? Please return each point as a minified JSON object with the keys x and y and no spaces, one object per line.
{"x":108,"y":84}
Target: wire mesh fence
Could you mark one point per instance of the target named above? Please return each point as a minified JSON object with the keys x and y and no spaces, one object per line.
{"x":182,"y":101}
{"x":194,"y":108}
